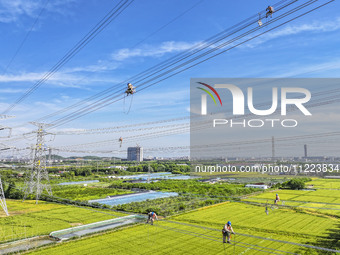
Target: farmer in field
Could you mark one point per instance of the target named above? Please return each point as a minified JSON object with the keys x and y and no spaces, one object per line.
{"x":151,"y":217}
{"x":227,"y":231}
{"x":277,"y":199}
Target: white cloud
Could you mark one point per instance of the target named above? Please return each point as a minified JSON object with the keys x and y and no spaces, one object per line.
{"x":11,"y":91}
{"x":13,"y":10}
{"x":316,"y":27}
{"x":313,"y":68}
{"x":23,"y":77}
{"x":152,"y":51}
{"x":60,"y":79}
{"x":101,"y":66}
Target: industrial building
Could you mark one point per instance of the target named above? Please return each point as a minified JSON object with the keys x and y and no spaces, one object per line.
{"x":135,"y":154}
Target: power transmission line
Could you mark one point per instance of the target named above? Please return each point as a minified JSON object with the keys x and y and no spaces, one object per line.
{"x":26,"y":36}
{"x":109,"y":17}
{"x":109,"y":99}
{"x":185,"y":54}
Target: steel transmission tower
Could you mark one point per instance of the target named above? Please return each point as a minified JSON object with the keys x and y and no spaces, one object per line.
{"x":2,"y":194}
{"x":3,"y":199}
{"x":37,"y":177}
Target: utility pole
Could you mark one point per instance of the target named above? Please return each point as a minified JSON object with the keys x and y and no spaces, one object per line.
{"x":3,"y":199}
{"x":37,"y":177}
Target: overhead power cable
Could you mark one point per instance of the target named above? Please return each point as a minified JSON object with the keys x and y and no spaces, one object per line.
{"x":26,"y":36}
{"x":185,"y":54}
{"x":109,"y":89}
{"x":100,"y":26}
{"x":111,"y":98}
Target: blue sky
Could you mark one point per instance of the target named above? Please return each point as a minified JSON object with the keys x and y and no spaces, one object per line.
{"x":307,"y":47}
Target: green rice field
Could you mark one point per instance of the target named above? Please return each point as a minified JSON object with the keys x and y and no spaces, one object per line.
{"x":28,"y":219}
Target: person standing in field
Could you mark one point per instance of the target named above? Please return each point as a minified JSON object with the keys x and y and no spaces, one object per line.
{"x":151,"y":217}
{"x":277,"y":199}
{"x":227,"y":231}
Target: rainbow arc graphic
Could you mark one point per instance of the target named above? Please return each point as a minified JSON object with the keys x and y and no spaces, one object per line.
{"x":209,"y":93}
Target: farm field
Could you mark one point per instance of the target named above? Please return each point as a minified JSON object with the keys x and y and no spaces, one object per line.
{"x":325,"y":183}
{"x":28,"y":219}
{"x":246,"y":217}
{"x":163,"y":238}
{"x":199,"y":232}
{"x":320,"y":198}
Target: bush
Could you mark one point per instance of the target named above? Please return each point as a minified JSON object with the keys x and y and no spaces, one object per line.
{"x":295,"y":184}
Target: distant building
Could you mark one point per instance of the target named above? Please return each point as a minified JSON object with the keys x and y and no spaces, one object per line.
{"x":257,"y":186}
{"x":135,"y":154}
{"x":118,"y":167}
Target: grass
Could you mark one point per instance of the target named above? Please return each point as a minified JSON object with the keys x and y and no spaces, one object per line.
{"x":174,"y":238}
{"x":252,"y":219}
{"x":28,"y":219}
{"x":199,"y":231}
{"x":81,"y":193}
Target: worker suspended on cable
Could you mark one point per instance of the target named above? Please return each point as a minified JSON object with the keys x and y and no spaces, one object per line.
{"x":151,"y":217}
{"x":227,"y":231}
{"x":270,"y":11}
{"x":121,"y":141}
{"x":277,"y":199}
{"x":130,"y":89}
